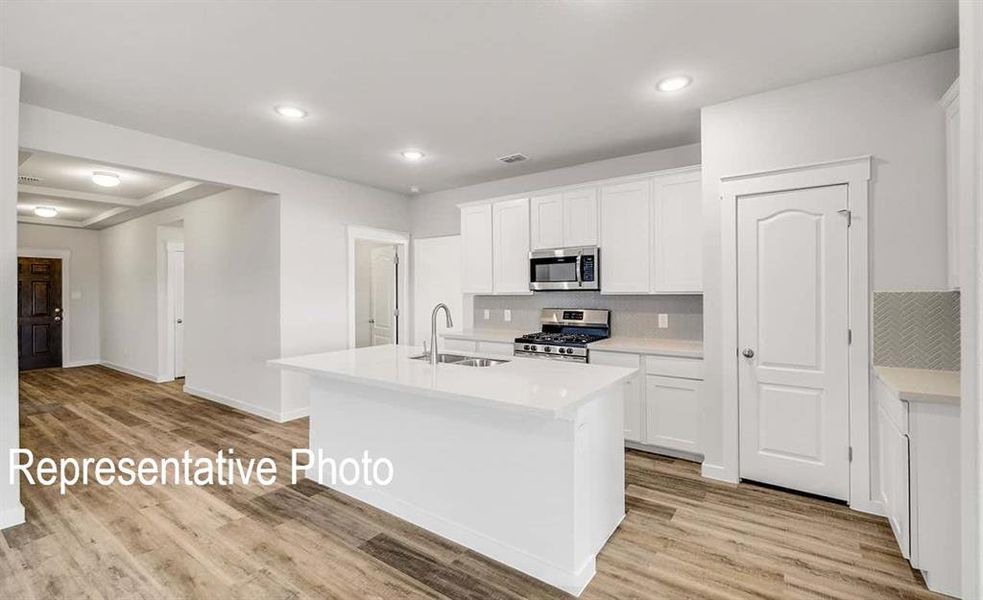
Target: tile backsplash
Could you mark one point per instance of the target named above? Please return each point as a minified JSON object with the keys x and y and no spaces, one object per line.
{"x":918,"y":330}
{"x":631,"y":316}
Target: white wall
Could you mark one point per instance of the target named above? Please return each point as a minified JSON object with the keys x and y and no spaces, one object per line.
{"x":890,"y":112}
{"x":11,"y":511}
{"x":232,"y":303}
{"x":82,"y":315}
{"x":314,"y":210}
{"x":436,"y":214}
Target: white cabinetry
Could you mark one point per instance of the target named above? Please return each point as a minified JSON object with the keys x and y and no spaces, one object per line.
{"x":580,"y":217}
{"x":476,"y":249}
{"x":677,"y":233}
{"x":950,"y":101}
{"x":917,"y":482}
{"x":510,"y":246}
{"x":672,"y":406}
{"x":662,"y":405}
{"x":634,"y":393}
{"x":495,"y":348}
{"x":564,"y":219}
{"x":546,"y":221}
{"x":625,"y":236}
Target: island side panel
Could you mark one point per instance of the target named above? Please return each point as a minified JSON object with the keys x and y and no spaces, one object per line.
{"x":499,"y":482}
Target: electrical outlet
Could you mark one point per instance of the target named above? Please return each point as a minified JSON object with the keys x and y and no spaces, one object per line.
{"x":663,"y":320}
{"x":487,"y":314}
{"x":508,"y":315}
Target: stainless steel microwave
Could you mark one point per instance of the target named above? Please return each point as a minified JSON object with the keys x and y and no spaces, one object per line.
{"x":576,"y":268}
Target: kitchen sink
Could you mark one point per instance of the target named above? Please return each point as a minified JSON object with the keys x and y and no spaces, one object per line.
{"x":464,"y":361}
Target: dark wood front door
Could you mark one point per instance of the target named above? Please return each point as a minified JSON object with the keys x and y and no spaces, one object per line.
{"x":39,"y":312}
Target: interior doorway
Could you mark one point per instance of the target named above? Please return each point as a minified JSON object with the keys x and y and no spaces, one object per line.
{"x":175,"y":301}
{"x":40,"y":314}
{"x":376,"y":287}
{"x":376,"y":300}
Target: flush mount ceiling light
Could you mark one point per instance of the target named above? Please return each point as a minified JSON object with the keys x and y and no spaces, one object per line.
{"x":412,"y":155}
{"x":674,"y":84}
{"x":47,"y":212}
{"x":414,"y":189}
{"x":105,"y":178}
{"x":290,"y":112}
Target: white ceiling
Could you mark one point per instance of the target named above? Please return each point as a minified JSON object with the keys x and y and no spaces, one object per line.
{"x":563,"y":82}
{"x":66,"y":185}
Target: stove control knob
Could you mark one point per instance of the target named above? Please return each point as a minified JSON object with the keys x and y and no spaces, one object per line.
{"x":526,"y":347}
{"x":569,"y":350}
{"x":549,"y":348}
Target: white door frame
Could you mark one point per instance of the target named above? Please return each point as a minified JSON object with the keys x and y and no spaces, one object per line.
{"x":402,"y":242}
{"x":169,"y":247}
{"x":65,"y":256}
{"x":855,"y":174}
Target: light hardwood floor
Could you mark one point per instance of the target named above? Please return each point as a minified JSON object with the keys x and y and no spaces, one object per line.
{"x":683,"y":537}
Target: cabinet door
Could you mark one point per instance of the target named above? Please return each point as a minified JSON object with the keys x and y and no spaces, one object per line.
{"x":677,"y":233}
{"x":951,"y":101}
{"x":672,"y":408}
{"x":893,"y":470}
{"x":476,"y":249}
{"x":634,"y":391}
{"x":625,"y":234}
{"x":510,"y":246}
{"x":580,"y":217}
{"x":546,"y":222}
{"x":450,"y":345}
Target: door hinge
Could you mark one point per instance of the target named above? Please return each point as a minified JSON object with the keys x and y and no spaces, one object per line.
{"x":849,"y":336}
{"x":396,"y":312}
{"x":396,"y":258}
{"x":850,"y":454}
{"x":848,"y":214}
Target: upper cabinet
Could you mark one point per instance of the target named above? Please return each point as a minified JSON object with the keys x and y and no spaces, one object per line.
{"x":950,"y":102}
{"x":564,"y":219}
{"x":510,"y":246}
{"x":625,"y":237}
{"x":476,"y":249}
{"x":649,"y":228}
{"x":677,"y":233}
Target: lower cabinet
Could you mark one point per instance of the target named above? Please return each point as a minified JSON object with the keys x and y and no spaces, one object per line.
{"x":917,"y":482}
{"x":496,"y":348}
{"x":451,"y":345}
{"x":672,"y":413}
{"x":662,"y":405}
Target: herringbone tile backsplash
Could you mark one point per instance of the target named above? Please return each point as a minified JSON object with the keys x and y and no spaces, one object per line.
{"x":918,"y":330}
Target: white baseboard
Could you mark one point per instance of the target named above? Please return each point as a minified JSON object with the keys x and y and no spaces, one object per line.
{"x":572,"y":582}
{"x":142,"y":375}
{"x":717,"y":472}
{"x":81,"y":363}
{"x":297,"y":413}
{"x":252,"y":409}
{"x":12,"y":516}
{"x":697,"y":458}
{"x":871,"y":507}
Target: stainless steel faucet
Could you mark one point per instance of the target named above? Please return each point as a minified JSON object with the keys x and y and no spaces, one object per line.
{"x":433,"y":330}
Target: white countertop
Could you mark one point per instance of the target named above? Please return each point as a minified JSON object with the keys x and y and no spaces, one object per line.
{"x":618,"y":343}
{"x":659,"y":346}
{"x":542,"y":387}
{"x":921,"y":385}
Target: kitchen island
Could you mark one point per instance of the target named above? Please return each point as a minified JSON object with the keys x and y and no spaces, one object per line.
{"x":521,"y":461}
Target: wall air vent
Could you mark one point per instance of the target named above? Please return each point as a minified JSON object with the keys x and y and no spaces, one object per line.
{"x":512,"y":158}
{"x":28,"y":179}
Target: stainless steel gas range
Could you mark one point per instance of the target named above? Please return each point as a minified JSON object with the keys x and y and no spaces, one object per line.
{"x":565,"y":334}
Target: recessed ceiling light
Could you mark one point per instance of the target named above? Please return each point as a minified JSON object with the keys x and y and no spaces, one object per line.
{"x":46,"y":211}
{"x":105,"y":178}
{"x":413,"y":155}
{"x":291,"y":112}
{"x":674,"y":84}
{"x":414,"y":189}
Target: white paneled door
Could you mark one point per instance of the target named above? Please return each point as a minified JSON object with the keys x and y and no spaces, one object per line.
{"x":383,"y":296}
{"x":793,"y":340}
{"x":176,"y":262}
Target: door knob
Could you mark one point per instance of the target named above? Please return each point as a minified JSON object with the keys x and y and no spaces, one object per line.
{"x":748,"y":353}
{"x":57,"y":319}
{"x":179,"y":321}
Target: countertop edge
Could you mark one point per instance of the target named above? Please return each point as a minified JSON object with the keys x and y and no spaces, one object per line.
{"x":915,"y":396}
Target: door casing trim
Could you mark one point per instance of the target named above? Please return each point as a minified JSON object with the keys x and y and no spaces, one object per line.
{"x":65,"y":257}
{"x":855,"y":174}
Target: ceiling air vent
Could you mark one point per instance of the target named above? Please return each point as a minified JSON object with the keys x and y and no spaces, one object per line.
{"x":28,"y":179}
{"x":512,"y":158}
